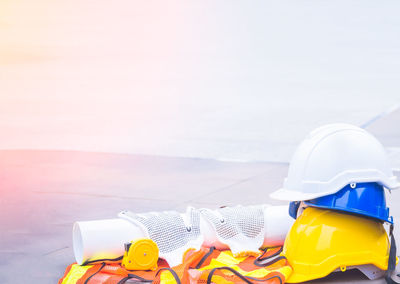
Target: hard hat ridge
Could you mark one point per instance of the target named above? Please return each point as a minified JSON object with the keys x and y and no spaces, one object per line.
{"x":332,"y":157}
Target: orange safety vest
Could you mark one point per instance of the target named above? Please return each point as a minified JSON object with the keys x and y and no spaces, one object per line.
{"x":207,"y":265}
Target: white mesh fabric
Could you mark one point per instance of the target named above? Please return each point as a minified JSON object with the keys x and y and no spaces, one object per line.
{"x":241,"y":228}
{"x":174,"y":233}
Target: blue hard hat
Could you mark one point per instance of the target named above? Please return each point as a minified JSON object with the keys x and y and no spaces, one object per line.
{"x":367,"y":199}
{"x":293,"y":208}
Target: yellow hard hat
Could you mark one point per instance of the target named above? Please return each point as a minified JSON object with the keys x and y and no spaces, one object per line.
{"x":322,"y":241}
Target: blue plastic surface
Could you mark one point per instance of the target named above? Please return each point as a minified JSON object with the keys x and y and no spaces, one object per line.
{"x":293,"y":207}
{"x":367,"y":199}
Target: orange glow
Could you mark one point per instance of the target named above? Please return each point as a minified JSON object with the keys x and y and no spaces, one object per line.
{"x":86,"y":74}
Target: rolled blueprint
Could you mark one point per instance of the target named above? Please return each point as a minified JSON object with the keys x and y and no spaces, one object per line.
{"x":102,"y":239}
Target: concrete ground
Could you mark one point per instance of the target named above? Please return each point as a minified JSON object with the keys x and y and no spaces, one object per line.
{"x":45,"y":192}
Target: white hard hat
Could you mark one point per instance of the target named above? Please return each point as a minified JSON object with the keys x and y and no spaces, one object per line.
{"x":331,"y":157}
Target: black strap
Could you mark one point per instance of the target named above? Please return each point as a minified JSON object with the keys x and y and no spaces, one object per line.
{"x":101,"y":267}
{"x":204,"y":258}
{"x":246,"y":279}
{"x":270,"y":261}
{"x":123,"y":280}
{"x":143,"y":280}
{"x":262,"y":261}
{"x":178,"y":281}
{"x":134,"y":276}
{"x":102,"y":260}
{"x":392,"y":258}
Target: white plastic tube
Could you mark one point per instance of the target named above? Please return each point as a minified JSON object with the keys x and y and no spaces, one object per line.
{"x":102,"y":239}
{"x":277,"y":224}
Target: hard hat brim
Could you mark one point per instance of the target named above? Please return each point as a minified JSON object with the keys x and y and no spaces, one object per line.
{"x":291,"y":195}
{"x":296,"y":195}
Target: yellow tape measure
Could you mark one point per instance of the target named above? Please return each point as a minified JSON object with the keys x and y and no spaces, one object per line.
{"x":141,"y":254}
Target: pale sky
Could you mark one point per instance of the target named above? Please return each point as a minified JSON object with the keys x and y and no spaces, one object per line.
{"x":233,"y":80}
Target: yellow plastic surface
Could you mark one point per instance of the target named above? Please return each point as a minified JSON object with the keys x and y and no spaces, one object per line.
{"x":76,"y":272}
{"x":226,"y":259}
{"x":320,"y":241}
{"x":142,"y":255}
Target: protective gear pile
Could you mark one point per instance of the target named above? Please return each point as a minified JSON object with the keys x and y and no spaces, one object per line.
{"x":336,"y":188}
{"x":207,"y":265}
